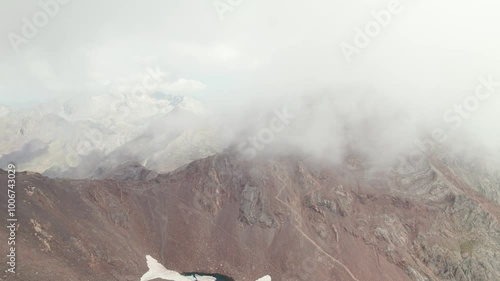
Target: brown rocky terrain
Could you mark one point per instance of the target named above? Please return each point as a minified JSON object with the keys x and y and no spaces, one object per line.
{"x":284,"y":216}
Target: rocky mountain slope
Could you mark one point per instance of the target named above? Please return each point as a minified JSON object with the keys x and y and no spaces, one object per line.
{"x":69,"y":139}
{"x":288,"y":217}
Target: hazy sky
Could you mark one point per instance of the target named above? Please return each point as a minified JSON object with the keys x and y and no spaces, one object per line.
{"x":259,"y":48}
{"x":416,"y":59}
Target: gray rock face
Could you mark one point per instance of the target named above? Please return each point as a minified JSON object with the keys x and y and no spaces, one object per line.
{"x":252,"y":208}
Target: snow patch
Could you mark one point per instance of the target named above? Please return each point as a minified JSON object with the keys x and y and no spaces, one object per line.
{"x":157,"y":270}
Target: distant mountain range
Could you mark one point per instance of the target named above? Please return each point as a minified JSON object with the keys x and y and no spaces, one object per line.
{"x":88,"y":137}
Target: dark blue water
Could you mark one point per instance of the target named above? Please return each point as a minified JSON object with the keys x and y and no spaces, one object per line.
{"x":219,"y":277}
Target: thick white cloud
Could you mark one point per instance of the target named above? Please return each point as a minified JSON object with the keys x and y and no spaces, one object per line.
{"x":281,"y":45}
{"x":424,"y":60}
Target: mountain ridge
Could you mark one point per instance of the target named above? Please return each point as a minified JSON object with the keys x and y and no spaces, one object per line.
{"x":284,"y":216}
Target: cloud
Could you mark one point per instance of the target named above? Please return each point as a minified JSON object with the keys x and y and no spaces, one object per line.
{"x":265,"y":55}
{"x":183,"y":86}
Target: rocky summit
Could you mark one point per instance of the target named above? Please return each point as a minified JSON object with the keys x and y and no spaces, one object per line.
{"x":287,"y":217}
